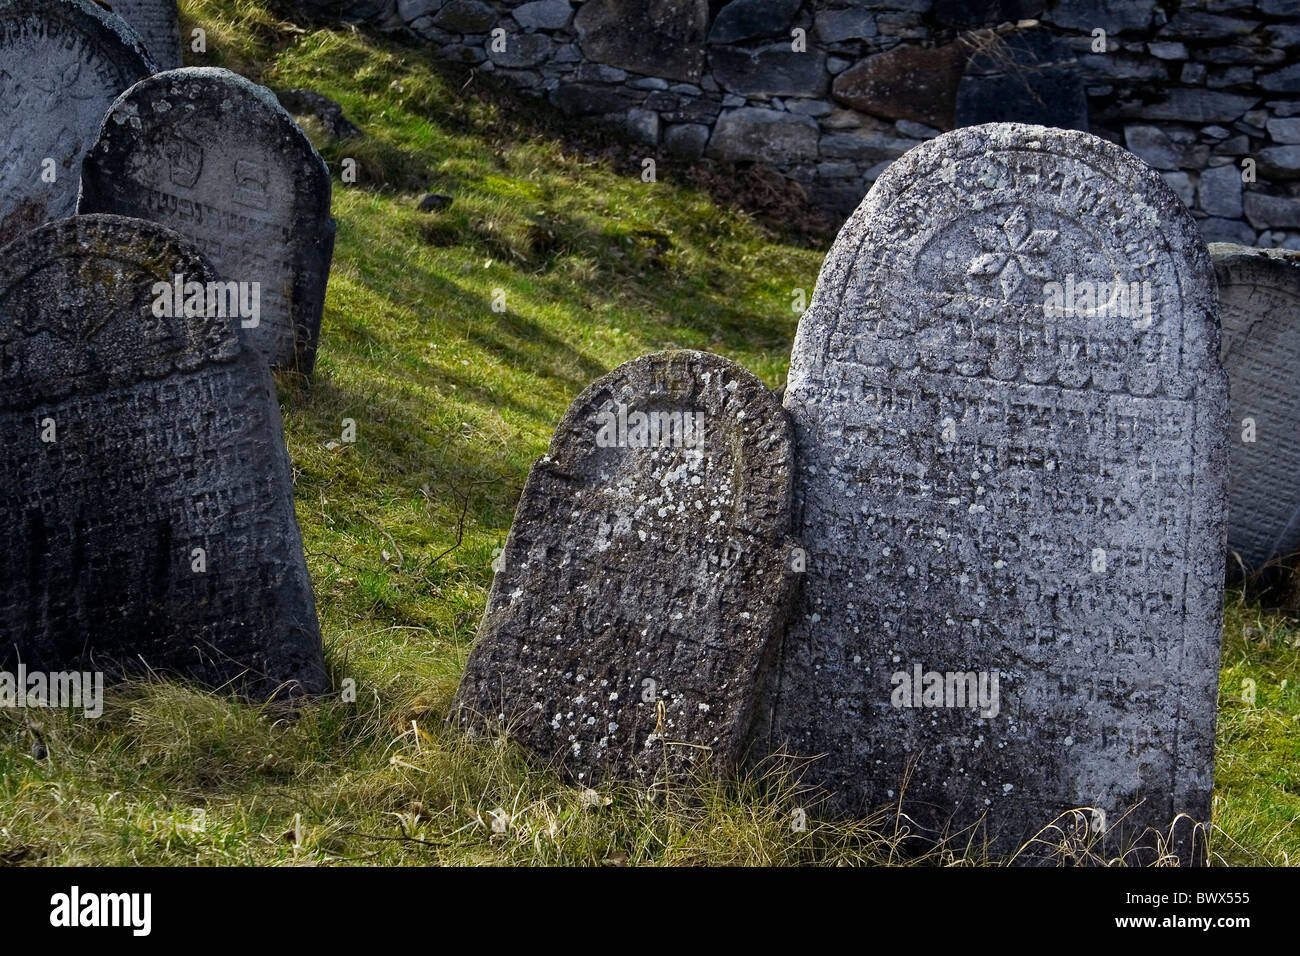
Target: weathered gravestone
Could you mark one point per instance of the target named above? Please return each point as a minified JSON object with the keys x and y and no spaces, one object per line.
{"x":62,"y":62}
{"x":647,"y":576}
{"x":149,"y":518}
{"x":218,"y":159}
{"x":1009,"y":414}
{"x":158,"y":23}
{"x":1259,"y":308}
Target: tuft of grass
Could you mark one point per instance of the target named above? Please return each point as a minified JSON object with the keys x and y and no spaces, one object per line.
{"x":454,"y":341}
{"x":1257,"y":773}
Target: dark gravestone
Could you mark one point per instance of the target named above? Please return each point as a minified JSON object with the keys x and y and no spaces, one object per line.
{"x":640,"y":598}
{"x":149,"y":518}
{"x":1010,"y":412}
{"x":217,"y":158}
{"x":1026,"y":77}
{"x":62,"y":62}
{"x":158,"y":23}
{"x":1259,"y":308}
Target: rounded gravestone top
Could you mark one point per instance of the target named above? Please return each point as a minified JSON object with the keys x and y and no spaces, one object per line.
{"x":212,"y":106}
{"x":217,"y":158}
{"x":78,"y":309}
{"x":973,"y":226}
{"x":711,"y":399}
{"x":62,"y":62}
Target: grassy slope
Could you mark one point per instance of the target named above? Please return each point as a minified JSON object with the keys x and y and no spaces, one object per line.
{"x":452,"y":401}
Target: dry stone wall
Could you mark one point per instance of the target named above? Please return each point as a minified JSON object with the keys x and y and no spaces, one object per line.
{"x":830,"y":92}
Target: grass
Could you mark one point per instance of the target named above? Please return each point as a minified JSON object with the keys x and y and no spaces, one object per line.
{"x":587,"y":266}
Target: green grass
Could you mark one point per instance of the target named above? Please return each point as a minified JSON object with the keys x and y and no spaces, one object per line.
{"x":452,"y":402}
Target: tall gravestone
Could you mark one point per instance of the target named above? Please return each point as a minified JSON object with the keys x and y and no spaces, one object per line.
{"x":158,"y":23}
{"x":647,"y":575}
{"x":217,"y":158}
{"x":62,"y":63}
{"x":149,"y":518}
{"x":1259,"y":307}
{"x":1009,"y":415}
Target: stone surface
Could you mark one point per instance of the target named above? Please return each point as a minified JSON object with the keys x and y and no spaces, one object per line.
{"x":770,"y":136}
{"x":1198,"y":106}
{"x":906,"y":82}
{"x":1157,"y":148}
{"x":1285,"y":80}
{"x":218,"y":159}
{"x":585,"y":99}
{"x":988,"y":486}
{"x":1284,"y":130}
{"x":1279,"y":162}
{"x":642,"y":591}
{"x":1263,"y":210}
{"x":1219,"y":191}
{"x":743,"y":20}
{"x":466,"y":16}
{"x":305,"y":102}
{"x":665,"y":38}
{"x":599,"y":73}
{"x":1259,"y":307}
{"x":523,"y":50}
{"x":1152,"y":144}
{"x":62,"y":63}
{"x":916,"y":130}
{"x":1201,"y":26}
{"x":166,"y":438}
{"x":1181,"y":184}
{"x":543,"y":14}
{"x":412,"y":10}
{"x":643,"y":126}
{"x":432,"y":202}
{"x":1216,"y":229}
{"x":867,"y":148}
{"x":1113,"y":16}
{"x":158,"y":23}
{"x":836,"y":26}
{"x":686,"y":139}
{"x":770,"y":72}
{"x":1026,"y":77}
{"x":1168,"y":50}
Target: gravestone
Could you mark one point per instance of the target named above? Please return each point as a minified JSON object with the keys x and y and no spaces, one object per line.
{"x":158,"y":23}
{"x":633,"y":619}
{"x":147,"y":493}
{"x":1009,"y":415}
{"x":1028,"y":76}
{"x":217,"y":158}
{"x":62,"y":63}
{"x":1259,"y":308}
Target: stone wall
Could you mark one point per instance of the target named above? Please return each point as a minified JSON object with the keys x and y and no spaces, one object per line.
{"x":829,"y":92}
